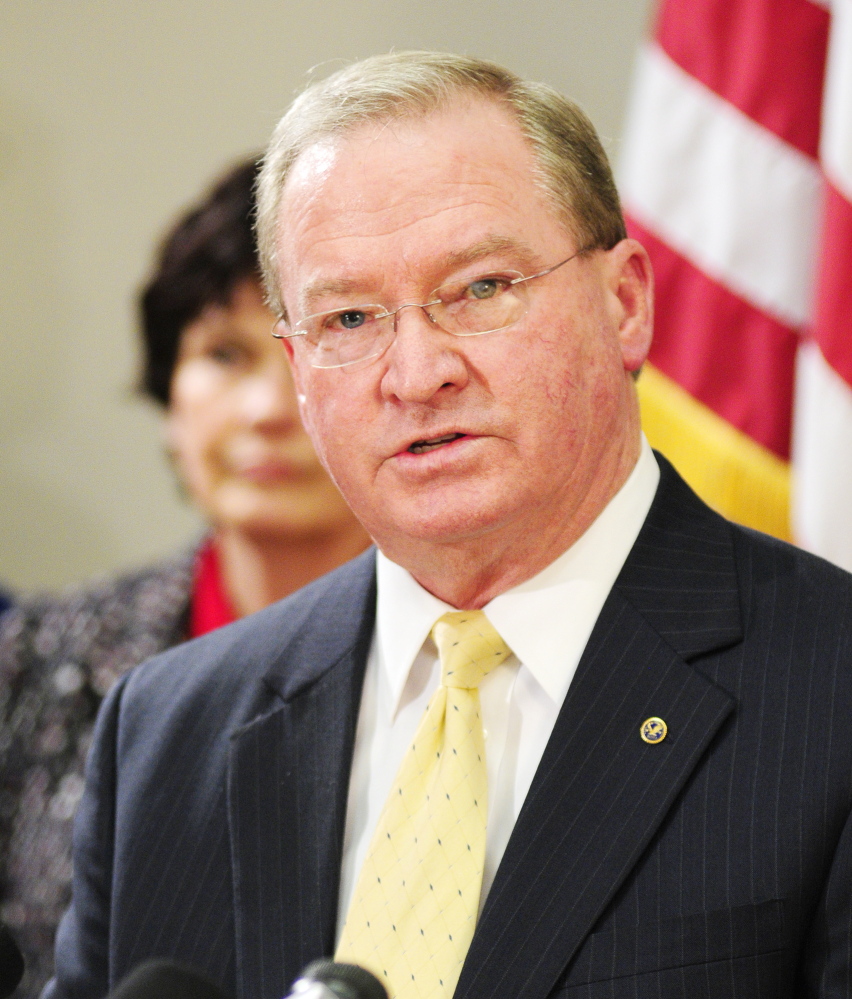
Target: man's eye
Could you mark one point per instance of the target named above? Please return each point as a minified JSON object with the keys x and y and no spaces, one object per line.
{"x":351,"y":320}
{"x":486,"y":287}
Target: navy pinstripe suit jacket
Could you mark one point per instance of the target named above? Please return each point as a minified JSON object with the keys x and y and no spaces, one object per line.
{"x":717,"y":863}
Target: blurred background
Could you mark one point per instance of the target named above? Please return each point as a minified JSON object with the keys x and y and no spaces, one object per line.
{"x":113,"y":116}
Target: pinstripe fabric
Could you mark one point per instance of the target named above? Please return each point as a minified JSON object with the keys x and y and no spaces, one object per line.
{"x":293,"y":838}
{"x":717,"y":863}
{"x":723,"y":894}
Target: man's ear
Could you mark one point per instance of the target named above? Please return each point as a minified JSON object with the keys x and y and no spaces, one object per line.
{"x":631,"y":285}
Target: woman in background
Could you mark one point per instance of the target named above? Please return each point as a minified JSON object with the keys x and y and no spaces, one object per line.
{"x":276,"y":522}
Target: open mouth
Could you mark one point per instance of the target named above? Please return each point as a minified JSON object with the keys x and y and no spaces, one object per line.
{"x":421,"y":447}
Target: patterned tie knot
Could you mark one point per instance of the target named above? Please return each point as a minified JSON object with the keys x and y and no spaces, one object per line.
{"x":469,"y":646}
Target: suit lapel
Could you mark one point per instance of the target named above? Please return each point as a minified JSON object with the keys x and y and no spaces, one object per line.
{"x":287,"y":790}
{"x":600,"y":792}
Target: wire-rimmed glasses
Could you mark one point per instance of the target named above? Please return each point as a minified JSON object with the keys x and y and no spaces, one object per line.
{"x":489,"y":303}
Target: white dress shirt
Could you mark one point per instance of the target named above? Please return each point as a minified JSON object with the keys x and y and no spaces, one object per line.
{"x":546,"y":621}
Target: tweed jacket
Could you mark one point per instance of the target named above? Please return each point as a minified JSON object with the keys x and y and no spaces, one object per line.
{"x":59,"y":656}
{"x":713,"y":864}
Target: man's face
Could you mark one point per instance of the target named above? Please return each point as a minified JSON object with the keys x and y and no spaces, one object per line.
{"x":529,"y":424}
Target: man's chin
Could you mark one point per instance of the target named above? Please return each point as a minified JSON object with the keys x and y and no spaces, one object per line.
{"x":451,"y":524}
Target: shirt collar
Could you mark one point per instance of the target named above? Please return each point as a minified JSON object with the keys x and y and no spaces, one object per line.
{"x":546,"y":620}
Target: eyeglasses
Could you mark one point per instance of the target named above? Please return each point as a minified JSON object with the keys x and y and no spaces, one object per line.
{"x":487,"y":304}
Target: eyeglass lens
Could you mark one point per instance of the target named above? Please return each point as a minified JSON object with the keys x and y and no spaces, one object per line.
{"x":466,"y":308}
{"x":341,"y":337}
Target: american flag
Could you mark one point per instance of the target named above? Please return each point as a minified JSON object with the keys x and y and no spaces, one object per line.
{"x":736,"y":174}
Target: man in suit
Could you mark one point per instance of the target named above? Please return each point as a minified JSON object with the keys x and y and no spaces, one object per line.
{"x":669,"y":776}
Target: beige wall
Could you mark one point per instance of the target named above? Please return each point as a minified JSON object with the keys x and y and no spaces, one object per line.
{"x":112,"y":116}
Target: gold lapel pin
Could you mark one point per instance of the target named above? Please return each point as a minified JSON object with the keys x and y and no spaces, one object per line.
{"x":653,"y":730}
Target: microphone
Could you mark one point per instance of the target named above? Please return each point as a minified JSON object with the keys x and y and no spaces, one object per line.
{"x":11,"y":963}
{"x":323,"y":979}
{"x":326,"y":979}
{"x":161,"y":979}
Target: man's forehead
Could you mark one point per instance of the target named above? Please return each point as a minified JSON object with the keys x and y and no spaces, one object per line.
{"x":422,"y":133}
{"x":459,"y":184}
{"x":315,"y":163}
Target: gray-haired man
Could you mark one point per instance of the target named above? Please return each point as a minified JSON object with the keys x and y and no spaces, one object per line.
{"x":662,"y":804}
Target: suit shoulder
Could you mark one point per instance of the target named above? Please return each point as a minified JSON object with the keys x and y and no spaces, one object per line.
{"x":285,"y":644}
{"x":796,"y":610}
{"x":766,"y":558}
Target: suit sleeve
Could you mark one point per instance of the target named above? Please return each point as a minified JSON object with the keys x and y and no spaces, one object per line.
{"x":82,"y":942}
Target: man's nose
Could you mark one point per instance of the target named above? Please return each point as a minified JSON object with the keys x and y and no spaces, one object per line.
{"x":423,"y":359}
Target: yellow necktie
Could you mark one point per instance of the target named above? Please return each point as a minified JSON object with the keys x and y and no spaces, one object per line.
{"x":415,"y":904}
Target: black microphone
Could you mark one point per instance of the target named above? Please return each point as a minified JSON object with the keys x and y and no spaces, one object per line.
{"x":11,"y":963}
{"x":325,"y":979}
{"x":162,"y":979}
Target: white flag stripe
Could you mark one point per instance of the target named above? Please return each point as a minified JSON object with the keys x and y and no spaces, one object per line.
{"x":822,"y":460}
{"x":822,"y":425}
{"x":836,"y":142}
{"x":724,"y":192}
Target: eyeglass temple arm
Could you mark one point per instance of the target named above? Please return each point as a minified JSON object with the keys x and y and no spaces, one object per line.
{"x":284,"y":336}
{"x":550,"y":270}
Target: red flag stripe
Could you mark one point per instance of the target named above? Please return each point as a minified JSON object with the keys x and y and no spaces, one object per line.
{"x":833,"y":325}
{"x":766,"y":57}
{"x":726,"y":336}
{"x":726,"y":193}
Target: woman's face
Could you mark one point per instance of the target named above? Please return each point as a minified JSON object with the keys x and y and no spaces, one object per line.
{"x":233,"y":427}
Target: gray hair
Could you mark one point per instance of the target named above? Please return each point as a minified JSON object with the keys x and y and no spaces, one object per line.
{"x":573,"y":170}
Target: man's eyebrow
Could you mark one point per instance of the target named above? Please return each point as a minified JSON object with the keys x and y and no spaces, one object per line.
{"x":342,"y":287}
{"x":333,"y":286}
{"x":485,"y":248}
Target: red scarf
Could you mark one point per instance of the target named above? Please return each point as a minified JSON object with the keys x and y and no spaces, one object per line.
{"x":210,"y":607}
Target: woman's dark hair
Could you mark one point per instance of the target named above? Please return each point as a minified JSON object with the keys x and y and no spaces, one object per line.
{"x":207,"y":253}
